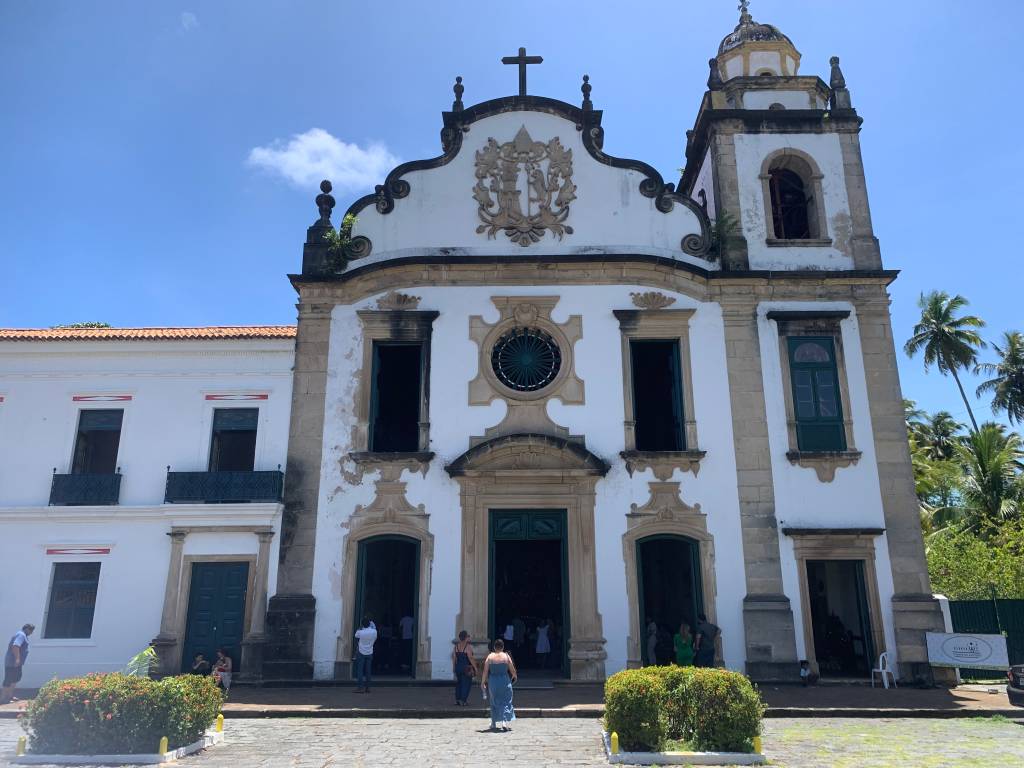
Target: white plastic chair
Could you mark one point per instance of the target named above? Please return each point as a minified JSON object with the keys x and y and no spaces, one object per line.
{"x":884,"y":670}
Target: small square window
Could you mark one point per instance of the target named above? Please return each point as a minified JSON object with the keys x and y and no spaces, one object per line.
{"x":97,"y":441}
{"x":72,"y":600}
{"x":233,"y":445}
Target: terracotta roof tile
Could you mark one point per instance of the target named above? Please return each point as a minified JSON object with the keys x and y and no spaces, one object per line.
{"x":148,"y":334}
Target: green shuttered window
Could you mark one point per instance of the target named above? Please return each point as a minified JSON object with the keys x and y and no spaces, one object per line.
{"x":816,"y":402}
{"x":72,"y":600}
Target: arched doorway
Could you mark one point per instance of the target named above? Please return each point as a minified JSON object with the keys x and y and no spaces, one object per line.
{"x":669,"y":589}
{"x":387,"y":588}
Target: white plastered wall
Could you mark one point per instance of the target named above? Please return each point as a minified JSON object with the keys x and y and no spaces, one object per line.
{"x":453,"y":421}
{"x":751,"y":151}
{"x":854,"y":498}
{"x":706,"y":181}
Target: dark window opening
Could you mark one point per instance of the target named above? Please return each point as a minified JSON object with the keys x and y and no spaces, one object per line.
{"x":233,"y":445}
{"x":99,"y":434}
{"x":72,"y":600}
{"x":387,"y":593}
{"x":816,"y":403}
{"x":397,"y":393}
{"x":657,"y":396}
{"x":668,"y":568}
{"x":790,"y":205}
{"x":840,"y":620}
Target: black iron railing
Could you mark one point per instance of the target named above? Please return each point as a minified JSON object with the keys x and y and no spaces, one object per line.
{"x":223,"y":487}
{"x":85,"y":489}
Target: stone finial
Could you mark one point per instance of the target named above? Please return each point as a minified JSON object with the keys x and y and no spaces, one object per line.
{"x":459,"y":88}
{"x":325,"y":203}
{"x":588,"y":105}
{"x":714,"y":75}
{"x":840,"y":96}
{"x":744,"y":9}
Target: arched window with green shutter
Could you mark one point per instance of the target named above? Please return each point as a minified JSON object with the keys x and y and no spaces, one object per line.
{"x":816,"y":402}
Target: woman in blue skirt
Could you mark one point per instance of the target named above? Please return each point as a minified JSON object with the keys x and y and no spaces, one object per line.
{"x":499,"y":674}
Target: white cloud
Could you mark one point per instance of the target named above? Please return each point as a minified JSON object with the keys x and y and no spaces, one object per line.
{"x":308,"y":157}
{"x":188,"y":21}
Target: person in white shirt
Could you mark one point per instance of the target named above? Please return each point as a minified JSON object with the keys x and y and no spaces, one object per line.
{"x":367,"y":636}
{"x":14,"y":660}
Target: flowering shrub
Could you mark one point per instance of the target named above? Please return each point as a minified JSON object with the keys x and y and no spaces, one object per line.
{"x":119,"y":714}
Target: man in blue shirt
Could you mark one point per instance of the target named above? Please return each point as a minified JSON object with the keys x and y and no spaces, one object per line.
{"x":14,"y":660}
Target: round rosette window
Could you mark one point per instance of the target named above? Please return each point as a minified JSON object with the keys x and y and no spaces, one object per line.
{"x":526,"y":359}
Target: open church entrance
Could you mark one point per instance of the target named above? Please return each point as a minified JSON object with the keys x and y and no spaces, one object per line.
{"x":839,"y":617}
{"x":670,"y":590}
{"x":529,"y":589}
{"x":386,"y":590}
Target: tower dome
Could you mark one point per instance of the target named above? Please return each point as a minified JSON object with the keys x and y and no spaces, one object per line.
{"x":753,"y":49}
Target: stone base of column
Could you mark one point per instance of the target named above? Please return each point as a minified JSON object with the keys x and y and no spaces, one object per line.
{"x":166,"y":647}
{"x":586,"y":659}
{"x":770,"y":639}
{"x":912,"y":617}
{"x":288,"y":651}
{"x":251,"y":667}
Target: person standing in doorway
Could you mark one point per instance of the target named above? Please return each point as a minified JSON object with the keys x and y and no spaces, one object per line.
{"x":14,"y":661}
{"x":707,"y":633}
{"x":519,"y":633}
{"x":652,"y":643}
{"x":499,"y":675}
{"x":682,"y":642}
{"x":366,"y":636}
{"x":405,"y":626}
{"x":543,"y":647}
{"x":465,"y":668}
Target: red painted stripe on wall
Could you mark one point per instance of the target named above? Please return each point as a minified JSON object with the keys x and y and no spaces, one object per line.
{"x":237,"y":397}
{"x":100,"y":398}
{"x":78,"y":551}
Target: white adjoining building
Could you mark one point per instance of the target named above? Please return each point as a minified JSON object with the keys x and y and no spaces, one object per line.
{"x":531,"y":384}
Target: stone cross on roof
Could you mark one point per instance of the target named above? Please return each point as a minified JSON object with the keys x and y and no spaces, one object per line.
{"x":522,"y":60}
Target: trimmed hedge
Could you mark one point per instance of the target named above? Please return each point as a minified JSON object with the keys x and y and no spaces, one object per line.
{"x":119,"y":714}
{"x":716,"y":710}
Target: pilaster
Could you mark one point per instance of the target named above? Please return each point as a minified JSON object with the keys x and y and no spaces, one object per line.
{"x":166,"y":643}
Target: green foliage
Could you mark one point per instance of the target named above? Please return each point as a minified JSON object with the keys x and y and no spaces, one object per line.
{"x":632,"y":702}
{"x":712,"y":709}
{"x":119,"y":714}
{"x":963,"y":566}
{"x":93,"y":324}
{"x":139,"y":664}
{"x":339,"y":240}
{"x":722,"y":228}
{"x":722,"y":708}
{"x":1007,"y":385}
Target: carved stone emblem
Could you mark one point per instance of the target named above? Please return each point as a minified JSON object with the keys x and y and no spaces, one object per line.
{"x":398,"y":301}
{"x":504,"y":171}
{"x":652,"y":300}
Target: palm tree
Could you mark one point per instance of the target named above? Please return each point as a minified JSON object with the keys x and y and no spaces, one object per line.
{"x":939,"y":434}
{"x":992,"y":490}
{"x":1007,"y":385}
{"x":948,"y":341}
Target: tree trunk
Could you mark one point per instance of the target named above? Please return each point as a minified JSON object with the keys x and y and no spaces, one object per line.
{"x":964,"y":396}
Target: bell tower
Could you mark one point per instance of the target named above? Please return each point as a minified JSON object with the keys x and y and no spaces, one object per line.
{"x":774,"y":158}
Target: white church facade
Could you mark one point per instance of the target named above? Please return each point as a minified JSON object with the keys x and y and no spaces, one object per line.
{"x":531,"y":385}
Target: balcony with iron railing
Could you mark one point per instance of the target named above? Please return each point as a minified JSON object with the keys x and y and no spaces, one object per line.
{"x":224,"y":487}
{"x":85,"y":489}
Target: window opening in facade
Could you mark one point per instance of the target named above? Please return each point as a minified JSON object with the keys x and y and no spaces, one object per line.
{"x":657,"y":395}
{"x":72,"y":600}
{"x":790,"y":214}
{"x":233,"y":445}
{"x":99,"y":434}
{"x":395,"y":402}
{"x":816,"y":403}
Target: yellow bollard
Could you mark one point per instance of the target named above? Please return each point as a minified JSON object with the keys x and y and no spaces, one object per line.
{"x":163,"y":745}
{"x":220,"y":723}
{"x":615,"y":743}
{"x":21,"y":746}
{"x":757,"y":744}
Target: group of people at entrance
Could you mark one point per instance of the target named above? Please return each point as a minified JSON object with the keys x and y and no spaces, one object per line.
{"x":690,"y":648}
{"x":496,"y":682}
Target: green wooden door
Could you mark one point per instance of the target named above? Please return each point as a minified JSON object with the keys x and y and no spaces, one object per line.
{"x":216,"y":612}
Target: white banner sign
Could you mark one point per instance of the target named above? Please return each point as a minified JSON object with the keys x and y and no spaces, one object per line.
{"x":965,"y":650}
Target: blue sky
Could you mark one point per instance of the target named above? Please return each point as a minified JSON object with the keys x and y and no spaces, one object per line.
{"x":131,"y":192}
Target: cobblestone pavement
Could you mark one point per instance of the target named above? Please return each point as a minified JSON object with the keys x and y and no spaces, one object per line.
{"x":462,"y":743}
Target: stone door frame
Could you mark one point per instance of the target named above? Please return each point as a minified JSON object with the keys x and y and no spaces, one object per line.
{"x":532,"y":472}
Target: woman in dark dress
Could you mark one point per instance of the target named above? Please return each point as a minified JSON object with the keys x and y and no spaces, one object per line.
{"x":465,"y":668}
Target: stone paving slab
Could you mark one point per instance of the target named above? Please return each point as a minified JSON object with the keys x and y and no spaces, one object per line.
{"x":465,"y":743}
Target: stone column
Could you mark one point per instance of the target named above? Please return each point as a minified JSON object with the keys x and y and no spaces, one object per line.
{"x":252,"y":645}
{"x":587,"y":652}
{"x":767,"y":615}
{"x":863,"y":243}
{"x":727,"y":197}
{"x":915,"y":609}
{"x":166,"y":643}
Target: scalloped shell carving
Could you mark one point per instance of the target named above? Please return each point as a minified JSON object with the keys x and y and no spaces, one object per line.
{"x":652,"y":300}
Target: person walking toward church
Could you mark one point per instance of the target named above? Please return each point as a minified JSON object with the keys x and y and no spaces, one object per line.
{"x":14,"y":661}
{"x":367,"y":636}
{"x":683,"y":644}
{"x":499,"y":675}
{"x":465,"y":668}
{"x":543,"y":647}
{"x":705,"y":643}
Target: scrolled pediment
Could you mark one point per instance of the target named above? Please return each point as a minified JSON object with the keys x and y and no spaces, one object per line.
{"x":528,"y":453}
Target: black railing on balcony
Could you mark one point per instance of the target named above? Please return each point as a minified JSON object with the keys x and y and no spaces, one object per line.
{"x":223,"y":487}
{"x":85,"y":489}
